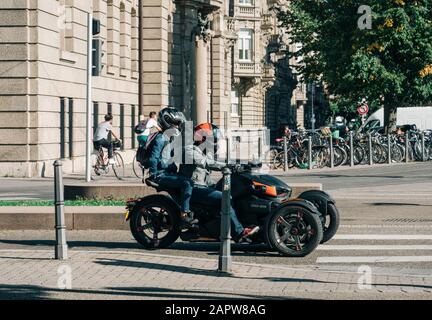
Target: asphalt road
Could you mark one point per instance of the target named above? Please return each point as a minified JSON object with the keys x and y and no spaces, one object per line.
{"x":395,"y":237}
{"x":386,"y":223}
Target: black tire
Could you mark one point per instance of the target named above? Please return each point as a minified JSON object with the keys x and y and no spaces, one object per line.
{"x":332,"y":221}
{"x":340,"y":156}
{"x":359,"y":154}
{"x":119,"y":168}
{"x":278,"y":161}
{"x":138,"y":170}
{"x":169,"y":223}
{"x":305,"y":226}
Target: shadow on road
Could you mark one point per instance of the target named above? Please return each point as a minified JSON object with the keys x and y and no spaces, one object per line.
{"x":397,"y":204}
{"x":33,"y":292}
{"x":210,"y":248}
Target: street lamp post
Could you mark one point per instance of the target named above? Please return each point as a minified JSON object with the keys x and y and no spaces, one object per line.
{"x":89,"y":94}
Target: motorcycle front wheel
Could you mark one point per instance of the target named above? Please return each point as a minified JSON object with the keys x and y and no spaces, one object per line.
{"x":154,"y":222}
{"x":294,"y":231}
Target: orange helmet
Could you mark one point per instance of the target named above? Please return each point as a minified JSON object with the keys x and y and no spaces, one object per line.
{"x":208,"y":133}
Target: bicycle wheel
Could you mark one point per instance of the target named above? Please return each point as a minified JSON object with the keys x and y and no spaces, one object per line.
{"x":340,"y":156}
{"x":118,"y":168}
{"x":138,"y":170}
{"x":359,"y":154}
{"x":278,"y":161}
{"x":396,"y":153}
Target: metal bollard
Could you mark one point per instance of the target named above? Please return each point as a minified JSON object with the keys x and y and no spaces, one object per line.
{"x":228,"y":150}
{"x":407,"y":147}
{"x":423,"y":151}
{"x":370,"y":149}
{"x":259,"y":148}
{"x":389,"y":158}
{"x":285,"y":142}
{"x":310,"y":152}
{"x":60,"y":222}
{"x":331,"y":152}
{"x":351,"y":142}
{"x":225,"y":258}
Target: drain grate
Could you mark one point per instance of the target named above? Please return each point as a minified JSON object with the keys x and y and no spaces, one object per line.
{"x":406,"y":220}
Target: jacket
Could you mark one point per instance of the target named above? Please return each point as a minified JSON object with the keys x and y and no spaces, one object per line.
{"x":159,"y":159}
{"x":198,"y":166}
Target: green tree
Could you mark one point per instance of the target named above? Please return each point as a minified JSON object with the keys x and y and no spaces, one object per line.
{"x":390,"y":63}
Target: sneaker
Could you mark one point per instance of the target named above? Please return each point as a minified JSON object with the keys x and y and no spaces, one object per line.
{"x":112,"y":162}
{"x":188,"y":221}
{"x":247,"y":232}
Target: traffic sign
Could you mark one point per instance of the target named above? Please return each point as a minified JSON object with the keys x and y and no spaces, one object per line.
{"x":363,"y":109}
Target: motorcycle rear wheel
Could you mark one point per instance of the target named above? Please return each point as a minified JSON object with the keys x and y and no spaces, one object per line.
{"x":333,"y":219}
{"x":294,"y":231}
{"x":155,"y":215}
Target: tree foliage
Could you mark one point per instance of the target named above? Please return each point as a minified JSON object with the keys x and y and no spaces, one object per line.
{"x":390,"y":63}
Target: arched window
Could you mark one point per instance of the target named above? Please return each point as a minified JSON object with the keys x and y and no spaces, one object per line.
{"x":135,"y":43}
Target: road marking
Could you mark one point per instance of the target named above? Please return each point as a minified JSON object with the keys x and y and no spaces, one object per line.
{"x":375,"y":247}
{"x":383,"y":236}
{"x":374,"y":259}
{"x":380,"y":226}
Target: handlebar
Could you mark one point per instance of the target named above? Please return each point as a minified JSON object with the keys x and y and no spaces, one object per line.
{"x":243,"y":167}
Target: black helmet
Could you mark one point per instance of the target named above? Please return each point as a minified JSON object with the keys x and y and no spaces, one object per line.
{"x":171,"y":118}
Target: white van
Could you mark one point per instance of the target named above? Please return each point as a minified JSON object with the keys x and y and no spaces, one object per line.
{"x":420,"y":116}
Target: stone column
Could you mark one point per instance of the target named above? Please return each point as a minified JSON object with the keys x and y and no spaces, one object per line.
{"x":202,"y":106}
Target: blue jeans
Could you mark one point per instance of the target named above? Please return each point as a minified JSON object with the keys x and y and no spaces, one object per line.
{"x":213,"y":198}
{"x":179,"y":182}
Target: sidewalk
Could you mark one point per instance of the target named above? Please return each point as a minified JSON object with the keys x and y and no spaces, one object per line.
{"x":33,"y":274}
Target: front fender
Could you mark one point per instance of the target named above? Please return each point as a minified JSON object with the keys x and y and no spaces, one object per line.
{"x":304,"y":203}
{"x":319,"y":198}
{"x":151,"y":199}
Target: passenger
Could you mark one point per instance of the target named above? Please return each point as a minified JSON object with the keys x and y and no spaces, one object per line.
{"x":161,"y":171}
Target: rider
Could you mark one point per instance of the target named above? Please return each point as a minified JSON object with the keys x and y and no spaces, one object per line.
{"x":171,"y":121}
{"x":102,"y":137}
{"x":198,"y":163}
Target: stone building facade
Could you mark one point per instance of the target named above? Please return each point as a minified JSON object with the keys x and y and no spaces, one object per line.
{"x":43,"y":80}
{"x":216,"y":60}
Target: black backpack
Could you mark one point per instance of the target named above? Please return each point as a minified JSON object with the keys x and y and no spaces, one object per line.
{"x":143,"y":152}
{"x":140,"y":127}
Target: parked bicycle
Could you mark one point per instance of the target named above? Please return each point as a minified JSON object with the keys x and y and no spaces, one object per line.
{"x":365,"y":147}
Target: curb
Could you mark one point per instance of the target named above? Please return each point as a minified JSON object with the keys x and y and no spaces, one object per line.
{"x":77,"y":218}
{"x":84,"y":218}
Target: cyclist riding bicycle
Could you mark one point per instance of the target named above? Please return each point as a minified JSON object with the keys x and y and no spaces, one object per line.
{"x":103,"y":137}
{"x":198,"y":163}
{"x":161,"y":171}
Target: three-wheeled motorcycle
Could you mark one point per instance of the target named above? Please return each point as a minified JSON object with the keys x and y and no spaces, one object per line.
{"x":292,"y":227}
